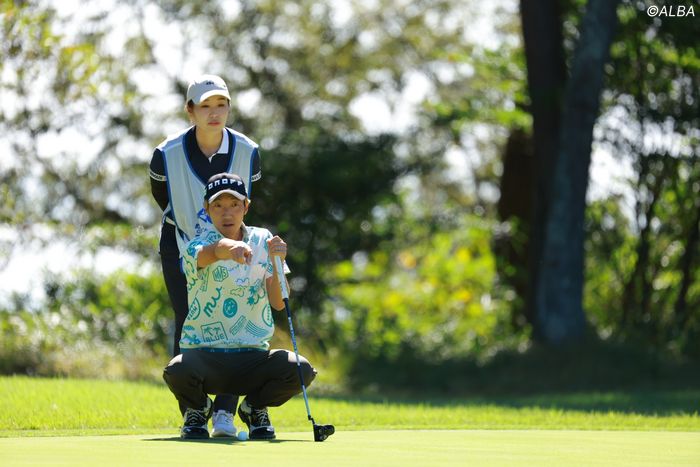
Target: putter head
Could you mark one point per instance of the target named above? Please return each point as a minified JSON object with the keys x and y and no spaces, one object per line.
{"x":321,"y":432}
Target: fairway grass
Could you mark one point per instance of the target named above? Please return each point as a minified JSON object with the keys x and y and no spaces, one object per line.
{"x":93,"y":422}
{"x":369,"y":448}
{"x":46,"y":407}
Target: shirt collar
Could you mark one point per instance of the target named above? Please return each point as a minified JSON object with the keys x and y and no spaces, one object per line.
{"x":246,"y":232}
{"x":223,"y":149}
{"x":191,"y":143}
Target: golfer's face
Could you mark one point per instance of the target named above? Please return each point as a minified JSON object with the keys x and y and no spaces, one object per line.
{"x":211,"y":114}
{"x":227,"y":213}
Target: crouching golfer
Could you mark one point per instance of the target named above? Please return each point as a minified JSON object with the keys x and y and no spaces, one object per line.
{"x":231,"y":287}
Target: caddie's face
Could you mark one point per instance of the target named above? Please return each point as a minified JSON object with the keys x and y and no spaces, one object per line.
{"x":227,"y":214}
{"x":211,"y":114}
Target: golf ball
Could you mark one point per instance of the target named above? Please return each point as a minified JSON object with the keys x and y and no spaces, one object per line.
{"x":242,"y":435}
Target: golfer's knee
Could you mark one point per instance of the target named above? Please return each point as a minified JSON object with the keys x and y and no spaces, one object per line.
{"x":308,"y":372}
{"x":176,"y":372}
{"x":288,"y":366}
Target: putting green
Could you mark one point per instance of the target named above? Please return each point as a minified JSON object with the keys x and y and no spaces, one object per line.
{"x":367,"y":448}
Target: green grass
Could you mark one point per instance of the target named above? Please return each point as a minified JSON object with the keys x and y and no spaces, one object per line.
{"x":369,"y":448}
{"x":41,"y":406}
{"x":57,"y":420}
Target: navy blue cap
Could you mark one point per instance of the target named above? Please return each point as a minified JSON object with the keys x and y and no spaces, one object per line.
{"x":228,"y":184}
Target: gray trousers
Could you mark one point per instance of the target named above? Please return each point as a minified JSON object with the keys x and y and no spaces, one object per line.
{"x":267,"y":378}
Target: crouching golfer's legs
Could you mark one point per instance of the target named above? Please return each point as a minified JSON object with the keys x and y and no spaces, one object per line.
{"x":185,"y":375}
{"x":269,"y":379}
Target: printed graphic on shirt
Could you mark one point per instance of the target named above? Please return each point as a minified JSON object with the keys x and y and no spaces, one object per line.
{"x":229,"y":305}
{"x":257,"y":292}
{"x":238,"y":325}
{"x":195,"y":309}
{"x":213,"y":332}
{"x":238,"y":291}
{"x":189,"y":336}
{"x":192,"y":249}
{"x":267,"y":315}
{"x":190,"y":275}
{"x":230,"y":308}
{"x":220,"y":274}
{"x":210,"y":306}
{"x":256,"y":331}
{"x":205,"y":280}
{"x":212,"y":236}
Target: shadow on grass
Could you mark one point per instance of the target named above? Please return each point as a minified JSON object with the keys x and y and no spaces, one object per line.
{"x":660,"y":402}
{"x":230,"y":441}
{"x":594,"y":376}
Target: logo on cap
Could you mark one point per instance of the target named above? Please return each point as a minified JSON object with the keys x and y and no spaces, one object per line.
{"x":226,"y":185}
{"x":206,"y":86}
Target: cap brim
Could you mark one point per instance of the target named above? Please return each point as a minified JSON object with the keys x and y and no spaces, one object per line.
{"x":208,"y":94}
{"x":230,"y":192}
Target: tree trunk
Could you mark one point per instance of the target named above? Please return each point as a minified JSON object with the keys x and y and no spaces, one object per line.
{"x":559,"y":314}
{"x":512,"y":249}
{"x":546,"y":76}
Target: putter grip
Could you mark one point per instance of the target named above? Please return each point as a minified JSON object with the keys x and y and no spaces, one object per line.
{"x":280,"y":277}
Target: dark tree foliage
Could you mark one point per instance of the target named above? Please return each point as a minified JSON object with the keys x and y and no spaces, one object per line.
{"x":651,"y":253}
{"x":319,"y":194}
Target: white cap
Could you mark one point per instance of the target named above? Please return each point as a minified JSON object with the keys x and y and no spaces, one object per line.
{"x":205,"y":86}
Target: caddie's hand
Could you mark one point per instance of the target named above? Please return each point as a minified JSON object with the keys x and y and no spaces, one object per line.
{"x":236,"y":250}
{"x":277,"y":247}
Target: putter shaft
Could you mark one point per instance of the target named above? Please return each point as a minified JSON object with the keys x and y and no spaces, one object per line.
{"x":285,"y":298}
{"x":321,"y":432}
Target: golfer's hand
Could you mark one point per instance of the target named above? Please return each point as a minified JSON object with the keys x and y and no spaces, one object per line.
{"x":236,"y":250}
{"x":277,"y":247}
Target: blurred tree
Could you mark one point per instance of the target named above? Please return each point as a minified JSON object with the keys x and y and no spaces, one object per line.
{"x":319,"y":195}
{"x":546,"y":78}
{"x":652,"y":124}
{"x":650,"y":121}
{"x":529,"y":156}
{"x":70,"y":118}
{"x":558,"y":293}
{"x":95,"y":327}
{"x":493,"y":102}
{"x":329,"y":176}
{"x":318,"y":85}
{"x":564,"y":112}
{"x":641,"y":270}
{"x":512,"y":244}
{"x":424,"y":305}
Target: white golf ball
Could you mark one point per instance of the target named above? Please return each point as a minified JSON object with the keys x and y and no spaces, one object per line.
{"x":242,"y":435}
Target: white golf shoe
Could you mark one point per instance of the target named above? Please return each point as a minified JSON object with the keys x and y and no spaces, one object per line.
{"x":222,"y":424}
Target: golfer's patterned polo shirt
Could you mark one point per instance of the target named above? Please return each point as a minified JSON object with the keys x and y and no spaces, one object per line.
{"x":228,"y":302}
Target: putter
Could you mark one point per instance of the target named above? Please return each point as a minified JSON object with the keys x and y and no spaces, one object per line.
{"x":321,"y":432}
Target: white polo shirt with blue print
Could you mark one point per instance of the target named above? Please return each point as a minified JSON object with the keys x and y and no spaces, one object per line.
{"x":228,"y":302}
